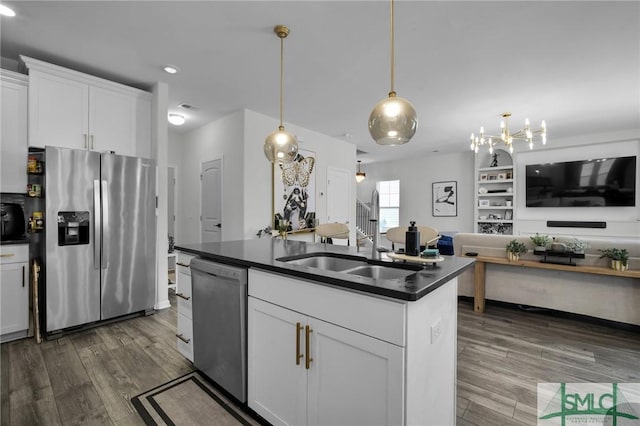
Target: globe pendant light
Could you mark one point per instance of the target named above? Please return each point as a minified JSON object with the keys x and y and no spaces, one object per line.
{"x":281,"y":146}
{"x":360,"y":175}
{"x":393,"y":120}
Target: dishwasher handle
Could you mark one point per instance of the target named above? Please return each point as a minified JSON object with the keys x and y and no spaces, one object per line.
{"x":219,"y":270}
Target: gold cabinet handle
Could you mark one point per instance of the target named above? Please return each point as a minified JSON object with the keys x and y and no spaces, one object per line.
{"x":86,"y":145}
{"x":91,"y":141}
{"x":182,"y":296}
{"x":7,"y":255}
{"x":298,"y":354}
{"x":182,"y":264}
{"x":181,"y":337}
{"x":307,"y":361}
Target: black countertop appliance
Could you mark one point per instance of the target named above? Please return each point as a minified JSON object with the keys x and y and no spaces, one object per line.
{"x":12,"y":225}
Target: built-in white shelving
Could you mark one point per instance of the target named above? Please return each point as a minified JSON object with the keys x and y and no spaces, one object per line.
{"x":494,"y":193}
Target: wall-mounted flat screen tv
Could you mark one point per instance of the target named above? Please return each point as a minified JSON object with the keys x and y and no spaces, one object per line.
{"x":605,"y":182}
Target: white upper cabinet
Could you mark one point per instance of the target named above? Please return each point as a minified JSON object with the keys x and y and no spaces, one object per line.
{"x":75,"y":110}
{"x":13,"y":140}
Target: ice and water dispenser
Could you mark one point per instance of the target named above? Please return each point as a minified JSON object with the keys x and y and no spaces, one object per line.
{"x":73,"y":228}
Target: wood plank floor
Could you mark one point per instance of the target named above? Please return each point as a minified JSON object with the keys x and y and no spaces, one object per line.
{"x":89,"y":377}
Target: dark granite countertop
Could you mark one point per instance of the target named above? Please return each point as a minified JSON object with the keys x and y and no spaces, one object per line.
{"x":262,"y":253}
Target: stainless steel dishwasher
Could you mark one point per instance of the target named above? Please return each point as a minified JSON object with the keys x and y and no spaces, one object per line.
{"x":220,"y":324}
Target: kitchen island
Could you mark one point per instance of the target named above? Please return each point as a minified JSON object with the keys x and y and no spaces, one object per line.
{"x":333,"y":347}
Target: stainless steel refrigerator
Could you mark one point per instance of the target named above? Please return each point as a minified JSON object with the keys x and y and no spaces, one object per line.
{"x":100,"y":226}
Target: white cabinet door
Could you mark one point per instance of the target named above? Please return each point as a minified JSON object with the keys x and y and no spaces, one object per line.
{"x":14,"y":292}
{"x":76,"y":110}
{"x":58,"y":111}
{"x":13,"y":139}
{"x":277,"y":384}
{"x":112,"y":125}
{"x":354,"y":379}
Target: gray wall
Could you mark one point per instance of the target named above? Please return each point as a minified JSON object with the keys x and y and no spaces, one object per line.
{"x":416,"y":176}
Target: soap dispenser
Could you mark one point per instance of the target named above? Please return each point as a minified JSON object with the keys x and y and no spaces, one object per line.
{"x":412,"y":240}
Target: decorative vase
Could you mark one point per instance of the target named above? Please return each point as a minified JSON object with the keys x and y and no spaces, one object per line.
{"x":513,"y":257}
{"x":617,"y":265}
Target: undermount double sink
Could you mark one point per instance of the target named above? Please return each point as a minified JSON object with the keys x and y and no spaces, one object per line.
{"x":353,"y":265}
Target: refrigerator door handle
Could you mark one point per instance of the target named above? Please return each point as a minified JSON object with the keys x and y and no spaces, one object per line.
{"x":105,"y":225}
{"x":97,"y":220}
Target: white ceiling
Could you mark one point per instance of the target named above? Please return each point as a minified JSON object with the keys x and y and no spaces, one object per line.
{"x":575,"y":64}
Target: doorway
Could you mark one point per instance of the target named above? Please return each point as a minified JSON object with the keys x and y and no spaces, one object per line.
{"x":211,"y":198}
{"x":339,"y":203}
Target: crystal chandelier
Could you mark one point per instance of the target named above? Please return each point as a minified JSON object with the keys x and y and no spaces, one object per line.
{"x":506,"y":137}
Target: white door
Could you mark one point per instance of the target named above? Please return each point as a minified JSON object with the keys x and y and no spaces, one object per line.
{"x":277,"y":388}
{"x":339,"y":203}
{"x":211,"y":198}
{"x":369,"y":370}
{"x":171,"y":194}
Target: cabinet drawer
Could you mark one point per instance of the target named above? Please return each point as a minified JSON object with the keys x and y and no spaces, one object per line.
{"x":183,"y":296}
{"x":182,"y":264}
{"x":14,"y":253}
{"x":185,"y":337}
{"x":374,"y":316}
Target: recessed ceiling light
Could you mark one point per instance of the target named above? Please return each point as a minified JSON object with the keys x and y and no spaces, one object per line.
{"x":171,"y":69}
{"x":176,"y":119}
{"x":4,"y":10}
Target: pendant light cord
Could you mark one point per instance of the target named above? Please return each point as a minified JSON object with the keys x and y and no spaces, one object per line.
{"x":393,"y":55}
{"x":281,"y":79}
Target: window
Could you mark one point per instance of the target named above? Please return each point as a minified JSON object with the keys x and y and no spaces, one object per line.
{"x":389,"y":216}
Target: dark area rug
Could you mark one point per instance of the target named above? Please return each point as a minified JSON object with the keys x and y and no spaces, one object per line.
{"x":189,"y":400}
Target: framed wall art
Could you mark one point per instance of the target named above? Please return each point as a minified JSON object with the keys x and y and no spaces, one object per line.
{"x":294,"y":193}
{"x":445,"y":198}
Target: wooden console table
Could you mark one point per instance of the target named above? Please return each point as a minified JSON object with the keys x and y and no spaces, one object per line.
{"x":481,"y":266}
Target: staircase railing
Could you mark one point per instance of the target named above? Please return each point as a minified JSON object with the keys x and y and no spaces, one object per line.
{"x":364,"y":226}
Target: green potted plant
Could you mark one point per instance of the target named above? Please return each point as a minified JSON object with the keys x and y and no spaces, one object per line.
{"x":577,"y":246}
{"x":540,"y":242}
{"x":619,"y":258}
{"x":514,"y":249}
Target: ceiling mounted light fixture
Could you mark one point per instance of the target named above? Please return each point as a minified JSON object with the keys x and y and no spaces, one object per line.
{"x":171,"y":69}
{"x":6,"y":11}
{"x":393,"y":120}
{"x":360,"y":175}
{"x":176,"y":119}
{"x":281,"y":146}
{"x":506,"y":137}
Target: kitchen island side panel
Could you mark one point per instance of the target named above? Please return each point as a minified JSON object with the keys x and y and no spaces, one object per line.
{"x":432,"y":357}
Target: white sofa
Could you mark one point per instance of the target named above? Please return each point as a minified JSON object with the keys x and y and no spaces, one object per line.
{"x":601,"y":296}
